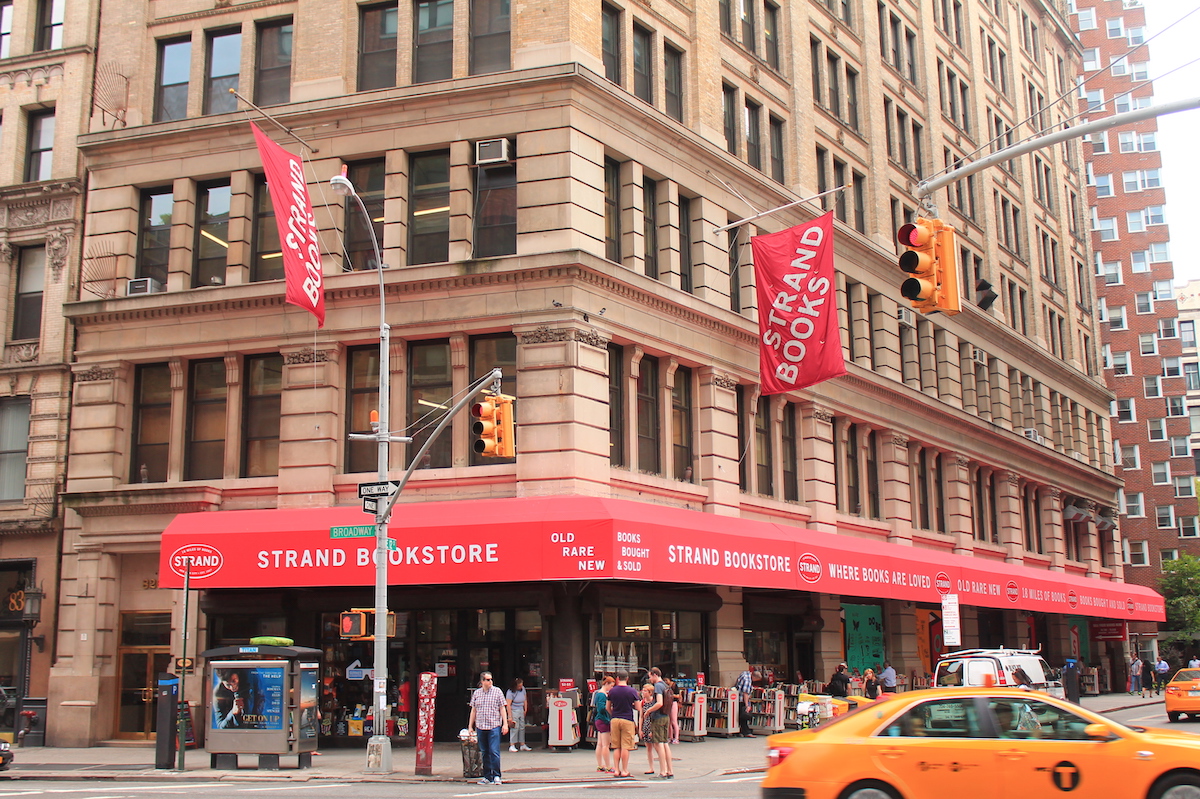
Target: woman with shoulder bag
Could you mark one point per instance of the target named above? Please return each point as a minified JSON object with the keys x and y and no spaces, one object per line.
{"x":602,"y":722}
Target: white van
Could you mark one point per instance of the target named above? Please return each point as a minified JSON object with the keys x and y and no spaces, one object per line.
{"x":1003,"y":668}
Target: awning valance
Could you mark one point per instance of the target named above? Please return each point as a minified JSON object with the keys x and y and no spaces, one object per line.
{"x":585,"y":538}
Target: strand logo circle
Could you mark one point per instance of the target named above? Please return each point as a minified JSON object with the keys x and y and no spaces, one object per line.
{"x":809,"y":567}
{"x":1072,"y":599}
{"x":205,"y":560}
{"x":941,"y":581}
{"x":1012,"y":590}
{"x":1131,"y":607}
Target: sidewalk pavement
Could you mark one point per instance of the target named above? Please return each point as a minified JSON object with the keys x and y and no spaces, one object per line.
{"x":541,"y":766}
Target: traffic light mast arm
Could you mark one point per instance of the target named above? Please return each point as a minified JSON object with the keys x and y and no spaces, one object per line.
{"x":494,"y":377}
{"x":927,"y":187}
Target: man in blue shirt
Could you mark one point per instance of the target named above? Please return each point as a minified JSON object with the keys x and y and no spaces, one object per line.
{"x":744,"y":685}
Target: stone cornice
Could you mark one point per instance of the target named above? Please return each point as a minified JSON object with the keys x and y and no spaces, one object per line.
{"x":144,"y":501}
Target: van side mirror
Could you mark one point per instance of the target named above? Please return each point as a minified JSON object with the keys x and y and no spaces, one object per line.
{"x":1099,"y":732}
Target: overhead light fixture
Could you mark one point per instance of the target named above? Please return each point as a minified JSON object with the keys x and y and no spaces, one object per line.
{"x":211,"y":237}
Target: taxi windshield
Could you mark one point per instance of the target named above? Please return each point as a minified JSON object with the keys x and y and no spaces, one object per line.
{"x":1183,"y":675}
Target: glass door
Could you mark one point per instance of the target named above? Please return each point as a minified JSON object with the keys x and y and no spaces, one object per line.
{"x":144,"y":653}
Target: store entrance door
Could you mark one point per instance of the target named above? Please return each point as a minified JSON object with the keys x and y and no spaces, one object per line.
{"x":139,"y":669}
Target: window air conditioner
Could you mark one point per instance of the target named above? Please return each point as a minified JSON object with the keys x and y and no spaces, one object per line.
{"x":906,"y":317}
{"x":1033,"y":435}
{"x":979,"y":356}
{"x":143,"y":285}
{"x":492,"y":151}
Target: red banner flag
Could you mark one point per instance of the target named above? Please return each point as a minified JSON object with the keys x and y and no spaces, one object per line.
{"x":297,"y":226}
{"x":799,"y":341}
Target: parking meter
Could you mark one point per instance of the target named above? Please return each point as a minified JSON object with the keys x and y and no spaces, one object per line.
{"x":1070,"y":678}
{"x":167,"y":695}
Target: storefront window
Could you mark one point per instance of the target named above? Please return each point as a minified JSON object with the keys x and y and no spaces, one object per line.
{"x":634,"y":640}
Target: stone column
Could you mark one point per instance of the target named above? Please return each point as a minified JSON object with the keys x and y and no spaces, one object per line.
{"x":312,"y":428}
{"x":717,"y":441}
{"x":895,"y":481}
{"x":817,"y":451}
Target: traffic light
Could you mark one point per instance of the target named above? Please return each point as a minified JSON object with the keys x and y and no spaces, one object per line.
{"x":486,"y":427}
{"x":506,"y":444}
{"x":932,"y":263}
{"x":354,"y":624}
{"x":358,"y":624}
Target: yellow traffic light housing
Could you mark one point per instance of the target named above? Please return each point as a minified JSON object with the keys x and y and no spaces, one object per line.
{"x":358,"y":624}
{"x":506,"y":444}
{"x":486,"y":426}
{"x":931,"y":260}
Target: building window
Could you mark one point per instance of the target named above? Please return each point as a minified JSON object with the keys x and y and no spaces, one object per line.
{"x":610,"y":42}
{"x":1135,"y":553}
{"x":643,"y":64}
{"x":681,"y":424}
{"x":368,"y":178}
{"x":207,"y":399}
{"x":433,"y":40}
{"x":771,"y":34}
{"x":612,"y":210}
{"x":151,"y":423}
{"x":743,"y":443}
{"x":50,"y":24}
{"x":647,"y":416}
{"x":491,"y":33}
{"x":749,"y":37}
{"x":174,"y":66}
{"x":377,"y":38}
{"x":735,"y":277}
{"x":496,"y":211}
{"x":777,"y":151}
{"x":673,"y":81}
{"x":40,"y":162}
{"x":726,"y":13}
{"x":224,"y":66}
{"x":764,"y":456}
{"x":616,"y":405}
{"x":260,"y":429}
{"x":685,"y":246}
{"x":362,"y":397}
{"x":429,"y":217}
{"x":266,"y":256}
{"x":753,"y":114}
{"x":791,"y":453}
{"x":429,"y":396}
{"x":14,"y":447}
{"x":729,"y":111}
{"x":273,"y":78}
{"x":31,"y":282}
{"x":1131,"y":505}
{"x":650,"y":225}
{"x":212,"y":235}
{"x":487,"y":353}
{"x":154,"y":237}
{"x":6,"y":20}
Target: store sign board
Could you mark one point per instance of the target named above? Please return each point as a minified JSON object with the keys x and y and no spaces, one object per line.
{"x":951,"y":625}
{"x":1109,"y":630}
{"x":579,"y":538}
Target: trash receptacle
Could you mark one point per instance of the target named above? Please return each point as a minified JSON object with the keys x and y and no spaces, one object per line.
{"x":472,"y":760}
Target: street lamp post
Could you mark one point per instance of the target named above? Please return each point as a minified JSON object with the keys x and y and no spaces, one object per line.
{"x":379,"y":748}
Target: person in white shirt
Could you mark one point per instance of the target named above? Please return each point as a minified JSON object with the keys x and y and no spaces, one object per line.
{"x":1194,"y":663}
{"x":887,"y":678}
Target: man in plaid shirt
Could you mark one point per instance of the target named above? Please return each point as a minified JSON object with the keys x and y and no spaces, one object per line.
{"x":489,"y":718}
{"x":744,"y":685}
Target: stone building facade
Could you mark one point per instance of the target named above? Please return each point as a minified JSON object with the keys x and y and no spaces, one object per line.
{"x":546,"y":180}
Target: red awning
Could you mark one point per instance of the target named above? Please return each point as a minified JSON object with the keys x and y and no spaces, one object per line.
{"x":585,"y":538}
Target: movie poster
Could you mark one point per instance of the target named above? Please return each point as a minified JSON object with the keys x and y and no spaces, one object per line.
{"x":248,"y":695}
{"x":308,"y":701}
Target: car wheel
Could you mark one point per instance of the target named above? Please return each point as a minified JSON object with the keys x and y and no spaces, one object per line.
{"x":1173,"y":716}
{"x":1177,"y":786}
{"x":870,"y":789}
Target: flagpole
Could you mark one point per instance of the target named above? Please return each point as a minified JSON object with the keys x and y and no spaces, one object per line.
{"x":275,"y":122}
{"x":773,"y":210}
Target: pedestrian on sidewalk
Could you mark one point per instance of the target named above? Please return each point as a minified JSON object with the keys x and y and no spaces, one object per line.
{"x":1194,"y":663}
{"x":646,"y":727}
{"x":1161,"y":669}
{"x":1135,"y":675}
{"x":489,"y":719}
{"x":745,"y":687}
{"x":622,"y":702}
{"x":602,"y":721}
{"x":676,"y":697}
{"x":1147,"y":678}
{"x":660,"y":723}
{"x":887,"y":678}
{"x":517,"y":699}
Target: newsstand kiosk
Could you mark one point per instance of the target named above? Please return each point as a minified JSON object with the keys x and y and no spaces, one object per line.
{"x":262,"y":700}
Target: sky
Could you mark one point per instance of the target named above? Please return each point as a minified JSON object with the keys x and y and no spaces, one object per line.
{"x":1175,"y":71}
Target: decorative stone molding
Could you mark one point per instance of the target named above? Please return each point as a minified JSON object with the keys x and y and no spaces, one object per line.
{"x":6,"y":253}
{"x":57,"y":244}
{"x":1054,"y":492}
{"x":306,"y":355}
{"x":962,"y":460}
{"x":39,"y":74}
{"x":95,"y":373}
{"x":1090,"y":505}
{"x":899,"y":440}
{"x":822,"y":415}
{"x":35,"y":212}
{"x":26,"y":352}
{"x":591,"y":338}
{"x":544,"y":335}
{"x":726,"y":382}
{"x":1013,"y":478}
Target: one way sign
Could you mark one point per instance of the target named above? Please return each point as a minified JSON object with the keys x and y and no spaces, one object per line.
{"x":378,"y":489}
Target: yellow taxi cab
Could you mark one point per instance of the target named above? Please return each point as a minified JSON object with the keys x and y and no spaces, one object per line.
{"x":985,"y":743}
{"x":1183,"y":695}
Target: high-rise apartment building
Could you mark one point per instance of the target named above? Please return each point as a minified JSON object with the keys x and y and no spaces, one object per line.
{"x":1142,"y":337}
{"x":546,"y":180}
